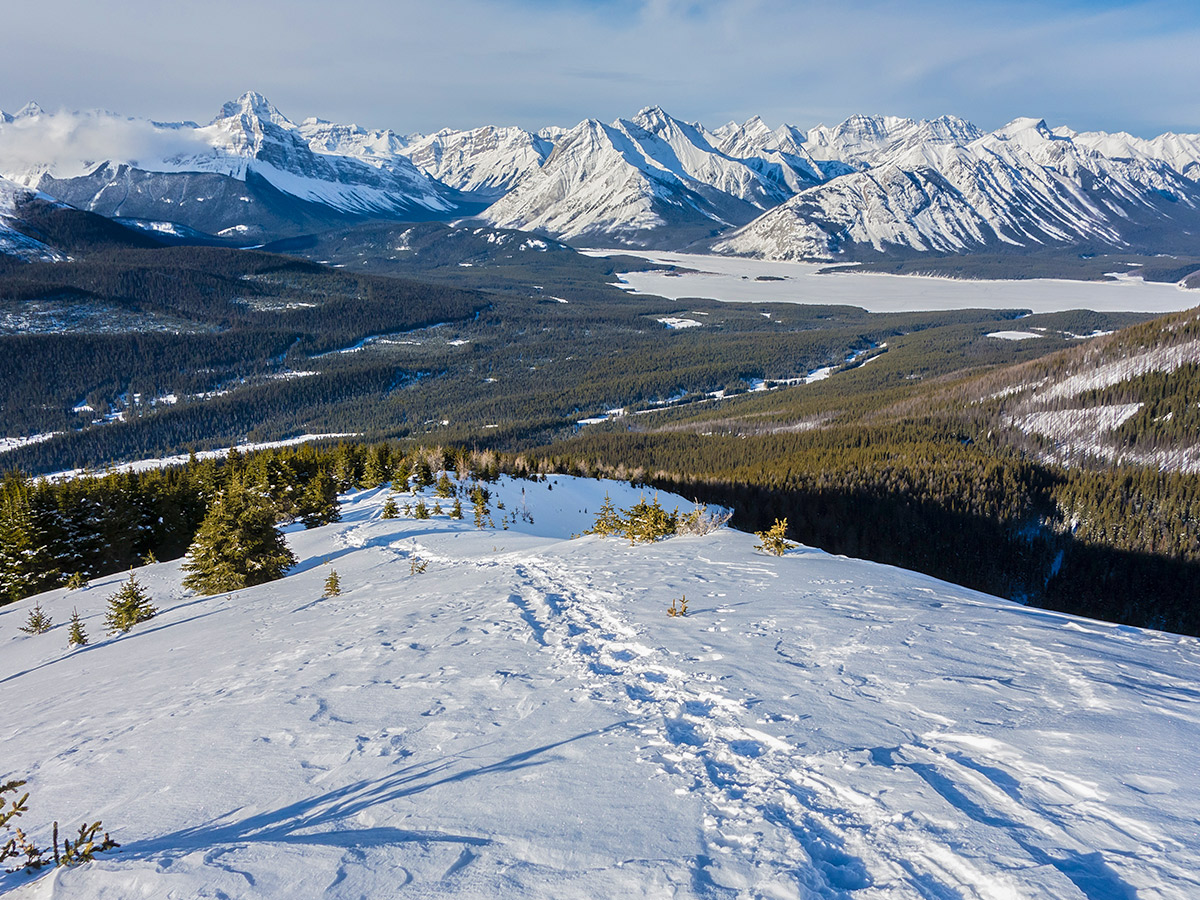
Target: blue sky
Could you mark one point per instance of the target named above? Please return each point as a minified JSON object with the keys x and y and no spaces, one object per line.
{"x":458,"y":63}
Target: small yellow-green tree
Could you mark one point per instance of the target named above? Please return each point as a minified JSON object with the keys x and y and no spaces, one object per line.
{"x":333,"y":584}
{"x":773,"y":540}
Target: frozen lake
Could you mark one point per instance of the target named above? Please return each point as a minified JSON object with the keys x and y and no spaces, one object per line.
{"x":733,"y":279}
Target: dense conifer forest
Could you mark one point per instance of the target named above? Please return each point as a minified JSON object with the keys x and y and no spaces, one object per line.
{"x":910,"y":452}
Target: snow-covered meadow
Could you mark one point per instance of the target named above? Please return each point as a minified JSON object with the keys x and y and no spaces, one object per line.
{"x":738,"y":279}
{"x":525,"y":720}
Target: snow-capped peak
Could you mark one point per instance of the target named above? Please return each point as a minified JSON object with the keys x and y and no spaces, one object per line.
{"x":255,"y":106}
{"x":653,"y":118}
{"x":28,"y":111}
{"x":1024,"y":127}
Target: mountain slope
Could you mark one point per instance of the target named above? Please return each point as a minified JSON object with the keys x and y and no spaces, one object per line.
{"x":945,"y":187}
{"x":649,"y":181}
{"x":13,"y":241}
{"x":1129,"y":398}
{"x":869,"y":187}
{"x":249,"y":171}
{"x":525,"y":720}
{"x":486,"y":162}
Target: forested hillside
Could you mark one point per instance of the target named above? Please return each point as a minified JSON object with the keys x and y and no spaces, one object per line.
{"x":470,"y":336}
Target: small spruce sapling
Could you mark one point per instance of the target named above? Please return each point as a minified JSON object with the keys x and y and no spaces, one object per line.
{"x":390,"y":509}
{"x":773,"y":540}
{"x":445,"y":487}
{"x":421,"y":511}
{"x":681,"y":609}
{"x":77,"y":636}
{"x":333,"y":584}
{"x":37,"y":622}
{"x":76,"y":582}
{"x":128,"y":606}
{"x":417,"y":566}
{"x":456,"y":510}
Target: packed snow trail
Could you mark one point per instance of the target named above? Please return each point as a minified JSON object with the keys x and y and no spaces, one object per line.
{"x":784,"y":822}
{"x":525,"y":720}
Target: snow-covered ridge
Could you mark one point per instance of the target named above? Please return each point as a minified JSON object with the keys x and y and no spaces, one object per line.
{"x":12,"y":241}
{"x":525,"y":719}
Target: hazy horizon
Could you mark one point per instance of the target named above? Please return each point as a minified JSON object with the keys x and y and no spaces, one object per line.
{"x":1113,"y":66}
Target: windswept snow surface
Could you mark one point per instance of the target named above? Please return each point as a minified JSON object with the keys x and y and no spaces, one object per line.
{"x":734,"y":279}
{"x":525,"y":720}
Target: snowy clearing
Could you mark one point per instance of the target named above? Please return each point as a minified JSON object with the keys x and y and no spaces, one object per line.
{"x":525,"y":720}
{"x":1014,"y":335}
{"x":12,"y":443}
{"x":162,"y":462}
{"x":734,"y":279}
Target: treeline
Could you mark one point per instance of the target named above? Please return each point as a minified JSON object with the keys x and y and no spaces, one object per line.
{"x":1122,"y":546}
{"x":1119,"y":545}
{"x":100,"y":524}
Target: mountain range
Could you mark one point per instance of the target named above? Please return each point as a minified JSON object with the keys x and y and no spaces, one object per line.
{"x":872,"y":186}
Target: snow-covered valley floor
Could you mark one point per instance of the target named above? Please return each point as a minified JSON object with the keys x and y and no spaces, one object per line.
{"x":525,"y":720}
{"x":738,"y":279}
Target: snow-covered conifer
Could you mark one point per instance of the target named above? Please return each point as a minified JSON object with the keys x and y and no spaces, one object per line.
{"x":128,"y":606}
{"x":237,"y":546}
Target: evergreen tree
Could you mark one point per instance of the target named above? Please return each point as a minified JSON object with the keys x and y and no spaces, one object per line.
{"x":128,"y":606}
{"x":773,"y":540}
{"x":333,"y":585}
{"x":37,"y":622}
{"x":445,"y":487}
{"x":647,"y":522}
{"x":422,"y":473}
{"x":400,"y":473}
{"x":390,"y":509}
{"x":276,"y":480}
{"x":479,"y":500}
{"x":376,"y":465}
{"x":607,"y":521}
{"x":237,"y":546}
{"x":347,"y":465}
{"x":77,"y":636}
{"x":456,"y":511}
{"x":319,"y":502}
{"x":26,"y":558}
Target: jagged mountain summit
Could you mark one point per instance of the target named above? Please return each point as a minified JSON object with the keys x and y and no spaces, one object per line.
{"x":250,"y":171}
{"x":648,"y":181}
{"x":485,"y":162}
{"x":955,"y":190}
{"x":870,"y":186}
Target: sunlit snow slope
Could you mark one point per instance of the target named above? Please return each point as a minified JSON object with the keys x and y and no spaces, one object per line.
{"x":524,"y":720}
